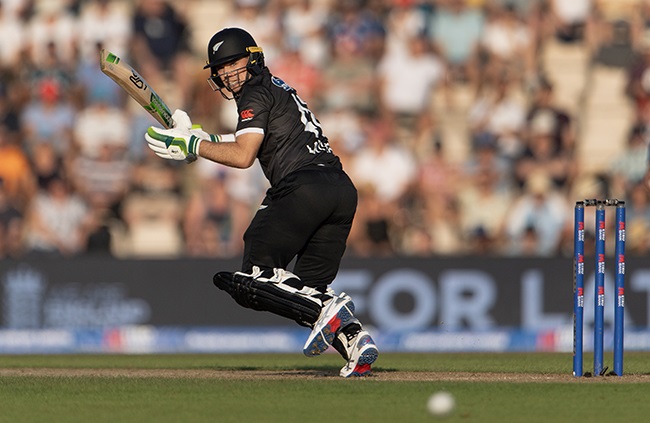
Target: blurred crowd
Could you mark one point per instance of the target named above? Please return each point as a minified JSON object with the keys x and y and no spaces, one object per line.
{"x":470,"y":127}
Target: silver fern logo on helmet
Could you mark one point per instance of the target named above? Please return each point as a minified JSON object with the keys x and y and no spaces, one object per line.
{"x":216,"y":46}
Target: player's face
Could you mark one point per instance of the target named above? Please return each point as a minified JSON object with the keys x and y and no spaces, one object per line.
{"x":234,"y":74}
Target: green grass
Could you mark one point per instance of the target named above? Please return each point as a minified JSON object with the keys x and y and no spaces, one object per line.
{"x":320,"y":396}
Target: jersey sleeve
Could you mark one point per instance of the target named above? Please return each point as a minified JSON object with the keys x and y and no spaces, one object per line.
{"x":253,"y":109}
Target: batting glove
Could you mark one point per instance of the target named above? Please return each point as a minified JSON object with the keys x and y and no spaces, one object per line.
{"x":177,"y":143}
{"x":172,"y":144}
{"x":180,"y":142}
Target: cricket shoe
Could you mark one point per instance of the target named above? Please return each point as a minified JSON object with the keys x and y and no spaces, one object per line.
{"x":336,"y":313}
{"x":358,"y":348}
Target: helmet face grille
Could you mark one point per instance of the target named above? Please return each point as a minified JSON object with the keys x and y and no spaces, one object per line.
{"x":232,"y":80}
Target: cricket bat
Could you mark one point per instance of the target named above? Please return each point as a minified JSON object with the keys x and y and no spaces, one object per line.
{"x":139,"y":90}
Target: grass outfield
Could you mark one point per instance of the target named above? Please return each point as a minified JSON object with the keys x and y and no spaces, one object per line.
{"x":293,"y":388}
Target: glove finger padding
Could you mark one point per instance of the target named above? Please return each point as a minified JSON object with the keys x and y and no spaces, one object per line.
{"x":181,"y":119}
{"x":154,"y":143}
{"x":158,"y":147}
{"x":161,"y":151}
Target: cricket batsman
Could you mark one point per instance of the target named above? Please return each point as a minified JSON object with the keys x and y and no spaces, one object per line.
{"x":306,"y":214}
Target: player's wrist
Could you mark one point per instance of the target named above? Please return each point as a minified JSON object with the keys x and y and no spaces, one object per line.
{"x":194,"y":144}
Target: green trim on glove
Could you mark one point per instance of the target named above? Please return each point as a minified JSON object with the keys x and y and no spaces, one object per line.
{"x":193,"y":144}
{"x":189,"y":146}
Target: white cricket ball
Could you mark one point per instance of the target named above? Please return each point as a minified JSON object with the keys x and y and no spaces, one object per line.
{"x":441,"y":404}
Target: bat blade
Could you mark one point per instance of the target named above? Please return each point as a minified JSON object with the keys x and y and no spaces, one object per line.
{"x":136,"y":86}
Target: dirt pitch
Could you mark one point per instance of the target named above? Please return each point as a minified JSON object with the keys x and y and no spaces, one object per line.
{"x":378,"y":375}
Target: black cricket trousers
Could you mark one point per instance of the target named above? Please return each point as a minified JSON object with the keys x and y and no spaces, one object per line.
{"x":306,"y":216}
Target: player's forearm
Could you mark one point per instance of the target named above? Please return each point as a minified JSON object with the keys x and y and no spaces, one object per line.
{"x":231,"y":154}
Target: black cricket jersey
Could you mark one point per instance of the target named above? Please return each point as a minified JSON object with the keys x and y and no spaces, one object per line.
{"x":293,"y":137}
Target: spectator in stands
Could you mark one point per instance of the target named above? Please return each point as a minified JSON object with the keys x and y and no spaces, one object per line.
{"x":99,"y":239}
{"x":499,"y":112}
{"x":637,"y":220}
{"x":106,"y":23}
{"x":416,"y":242}
{"x":91,"y":85}
{"x":160,"y":44}
{"x":9,"y":106}
{"x":569,"y":19}
{"x":102,"y":180}
{"x":359,"y":28}
{"x":45,"y":164}
{"x":344,"y":128}
{"x":48,"y":118}
{"x":100,"y":124}
{"x":638,"y":78}
{"x":455,"y":30}
{"x":482,"y":210}
{"x":207,"y":219}
{"x":15,"y":172}
{"x":350,"y":78}
{"x":382,"y":152}
{"x":629,"y":168}
{"x":12,"y":224}
{"x":404,"y":21}
{"x":53,"y":67}
{"x":152,"y":210}
{"x":540,"y":214}
{"x":380,"y":191}
{"x":12,"y":39}
{"x":610,"y":34}
{"x":304,"y":26}
{"x":485,"y":154}
{"x":52,"y":28}
{"x":57,"y":221}
{"x":508,"y":45}
{"x":436,"y":176}
{"x":541,"y":154}
{"x":371,"y":231}
{"x":432,"y":210}
{"x":545,"y":115}
{"x":639,"y":19}
{"x":440,"y":227}
{"x":101,"y":170}
{"x":408,"y":80}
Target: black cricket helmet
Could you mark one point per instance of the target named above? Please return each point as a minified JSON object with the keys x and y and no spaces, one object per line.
{"x":228,"y":45}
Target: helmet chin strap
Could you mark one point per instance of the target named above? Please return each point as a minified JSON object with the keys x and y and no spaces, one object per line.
{"x":225,"y":94}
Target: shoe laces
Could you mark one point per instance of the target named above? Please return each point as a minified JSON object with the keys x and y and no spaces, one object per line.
{"x":351,"y":331}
